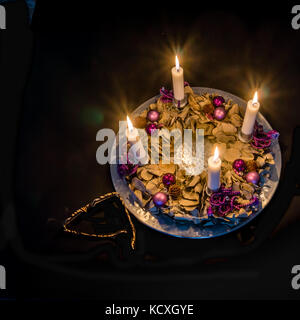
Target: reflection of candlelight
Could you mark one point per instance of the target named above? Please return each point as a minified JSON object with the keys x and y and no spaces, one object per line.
{"x":189,"y":160}
{"x":214,"y":169}
{"x":250,"y":116}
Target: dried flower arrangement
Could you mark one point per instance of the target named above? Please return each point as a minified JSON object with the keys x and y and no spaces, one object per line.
{"x":244,"y":165}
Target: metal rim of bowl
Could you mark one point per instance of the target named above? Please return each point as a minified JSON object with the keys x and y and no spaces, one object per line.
{"x":174,"y":228}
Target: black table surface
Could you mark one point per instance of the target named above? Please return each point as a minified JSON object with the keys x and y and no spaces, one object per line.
{"x":82,"y":81}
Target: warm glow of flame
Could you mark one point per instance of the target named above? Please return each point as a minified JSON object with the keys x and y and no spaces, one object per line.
{"x":129,"y":124}
{"x":177,"y":63}
{"x":255,"y":100}
{"x":216,"y":155}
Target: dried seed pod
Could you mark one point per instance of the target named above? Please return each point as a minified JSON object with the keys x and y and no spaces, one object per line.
{"x":247,"y":155}
{"x":233,"y":110}
{"x":260,"y":161}
{"x":236,"y":120}
{"x":225,"y":139}
{"x":188,"y":90}
{"x":188,"y":203}
{"x":195,"y":180}
{"x":232,"y":154}
{"x":191,"y":208}
{"x":269,"y":158}
{"x":152,"y":106}
{"x":184,"y":112}
{"x":198,"y":188}
{"x":165,"y":118}
{"x":138,"y":184}
{"x":227,"y":178}
{"x":228,"y":128}
{"x":194,"y":101}
{"x":152,"y":187}
{"x":145,"y":175}
{"x":190,"y":195}
{"x":139,"y":195}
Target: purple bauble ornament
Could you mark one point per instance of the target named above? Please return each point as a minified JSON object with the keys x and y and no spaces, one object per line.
{"x":151,"y":127}
{"x":160,"y":199}
{"x":127,"y":169}
{"x":168,"y":179}
{"x":252,"y":177}
{"x":219,"y":113}
{"x":218,"y":101}
{"x":239,"y":165}
{"x":153,"y":115}
{"x":210,"y":211}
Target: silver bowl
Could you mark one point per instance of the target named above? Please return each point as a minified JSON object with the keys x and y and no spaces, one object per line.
{"x":174,"y":228}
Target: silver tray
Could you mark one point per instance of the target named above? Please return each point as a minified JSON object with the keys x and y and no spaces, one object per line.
{"x":174,"y":228}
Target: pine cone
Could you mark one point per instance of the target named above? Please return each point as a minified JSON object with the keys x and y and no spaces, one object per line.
{"x":251,"y":165}
{"x":175,"y":191}
{"x":208,"y":108}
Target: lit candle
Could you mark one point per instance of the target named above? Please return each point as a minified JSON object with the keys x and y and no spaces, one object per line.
{"x":178,"y":81}
{"x":132,"y":133}
{"x":134,"y":140}
{"x":214,"y":169}
{"x":250,"y":116}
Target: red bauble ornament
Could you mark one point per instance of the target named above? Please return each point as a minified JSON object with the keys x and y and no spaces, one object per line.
{"x":151,"y":128}
{"x":168,"y":179}
{"x":239,"y":165}
{"x":218,"y":101}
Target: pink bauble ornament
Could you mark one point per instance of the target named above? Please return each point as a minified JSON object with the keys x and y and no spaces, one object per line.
{"x":168,"y":179}
{"x":219,"y":113}
{"x":153,"y":115}
{"x":160,"y":199}
{"x":151,"y":127}
{"x":218,"y":101}
{"x":210,"y":211}
{"x":252,"y":177}
{"x":239,"y":165}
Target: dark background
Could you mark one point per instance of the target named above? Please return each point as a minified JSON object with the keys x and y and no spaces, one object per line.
{"x":79,"y":68}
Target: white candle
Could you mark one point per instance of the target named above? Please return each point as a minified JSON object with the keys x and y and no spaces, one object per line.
{"x":132,"y":133}
{"x":250,"y":116}
{"x":214,"y":169}
{"x":178,"y":81}
{"x":136,"y":143}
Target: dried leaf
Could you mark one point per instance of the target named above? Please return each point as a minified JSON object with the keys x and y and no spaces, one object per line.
{"x":232,"y":154}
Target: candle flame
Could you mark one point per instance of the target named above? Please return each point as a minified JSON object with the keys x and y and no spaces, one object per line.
{"x":129,"y":124}
{"x":255,"y":100}
{"x":177,"y":63}
{"x":216,"y":154}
